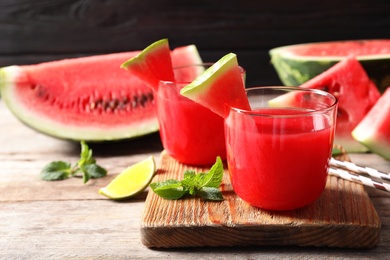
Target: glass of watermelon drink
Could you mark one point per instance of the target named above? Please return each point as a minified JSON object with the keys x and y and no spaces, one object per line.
{"x":278,"y":153}
{"x":190,"y":133}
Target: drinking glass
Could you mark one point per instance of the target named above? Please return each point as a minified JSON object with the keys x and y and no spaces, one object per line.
{"x":278,"y":153}
{"x":190,"y":133}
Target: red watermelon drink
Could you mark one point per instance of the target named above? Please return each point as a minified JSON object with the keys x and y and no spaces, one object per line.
{"x":190,"y":133}
{"x":278,"y":153}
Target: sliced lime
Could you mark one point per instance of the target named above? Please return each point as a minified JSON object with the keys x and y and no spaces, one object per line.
{"x":132,"y":181}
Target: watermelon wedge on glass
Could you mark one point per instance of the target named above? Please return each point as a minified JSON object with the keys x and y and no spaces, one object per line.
{"x":220,"y":85}
{"x":88,"y":98}
{"x":154,"y":64}
{"x":374,"y":130}
{"x":356,"y":94}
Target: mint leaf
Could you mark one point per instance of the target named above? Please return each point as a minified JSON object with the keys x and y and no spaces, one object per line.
{"x":198,"y":181}
{"x":189,"y":181}
{"x":189,"y":175}
{"x":85,"y":155}
{"x":86,"y":176}
{"x":86,"y":166}
{"x":57,"y":170}
{"x":214,"y":177}
{"x":170,"y":189}
{"x":203,"y":184}
{"x":95,"y":171}
{"x":210,"y":193}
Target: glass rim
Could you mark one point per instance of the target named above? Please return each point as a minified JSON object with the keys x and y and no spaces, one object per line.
{"x":165,"y":82}
{"x":288,"y":89}
{"x":194,"y":64}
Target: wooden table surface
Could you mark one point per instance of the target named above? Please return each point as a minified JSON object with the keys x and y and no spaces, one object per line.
{"x":69,"y":219}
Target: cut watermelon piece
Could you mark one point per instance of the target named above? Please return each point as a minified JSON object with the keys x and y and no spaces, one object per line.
{"x":89,"y":98}
{"x":220,"y":85}
{"x":356,"y":95}
{"x":153,"y":64}
{"x":184,"y":72}
{"x":186,"y":59}
{"x":374,"y":130}
{"x":296,"y":64}
{"x":146,"y":66}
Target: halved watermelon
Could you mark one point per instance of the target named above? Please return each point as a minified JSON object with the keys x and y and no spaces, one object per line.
{"x":356,"y":94}
{"x":296,"y":64}
{"x":374,"y":130}
{"x":221,"y":84}
{"x":89,"y":98}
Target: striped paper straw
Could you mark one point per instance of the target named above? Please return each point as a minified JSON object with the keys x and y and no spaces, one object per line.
{"x":359,"y":179}
{"x":360,"y":169}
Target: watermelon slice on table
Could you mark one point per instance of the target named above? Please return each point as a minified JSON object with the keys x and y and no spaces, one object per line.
{"x":374,"y":130}
{"x":89,"y":98}
{"x":296,"y":64}
{"x":356,"y":94}
{"x":220,"y":85}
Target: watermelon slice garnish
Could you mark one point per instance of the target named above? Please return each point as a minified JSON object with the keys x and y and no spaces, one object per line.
{"x":156,"y":63}
{"x":220,"y":85}
{"x":153,"y":64}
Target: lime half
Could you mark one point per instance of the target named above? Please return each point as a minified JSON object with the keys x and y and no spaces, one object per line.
{"x":132,"y":181}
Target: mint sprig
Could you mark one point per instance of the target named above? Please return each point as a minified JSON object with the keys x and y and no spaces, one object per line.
{"x":86,"y":167}
{"x":203,"y":184}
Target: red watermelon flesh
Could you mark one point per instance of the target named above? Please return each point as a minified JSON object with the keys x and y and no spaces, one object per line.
{"x":356,"y":94}
{"x":344,"y":48}
{"x":374,"y":130}
{"x":147,"y":65}
{"x":88,"y":98}
{"x":184,"y":72}
{"x":187,"y":74}
{"x":152,"y":65}
{"x":185,"y":59}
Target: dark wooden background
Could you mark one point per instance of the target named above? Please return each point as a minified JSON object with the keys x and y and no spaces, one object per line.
{"x":33,"y":31}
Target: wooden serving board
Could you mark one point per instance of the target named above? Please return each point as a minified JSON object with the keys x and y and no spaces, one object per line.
{"x":342,"y":217}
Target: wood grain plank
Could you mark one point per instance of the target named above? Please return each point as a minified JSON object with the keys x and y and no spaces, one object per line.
{"x":70,"y":227}
{"x":24,"y":152}
{"x":342,"y":217}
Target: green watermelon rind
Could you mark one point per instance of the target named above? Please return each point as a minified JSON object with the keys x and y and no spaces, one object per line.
{"x":149,"y":50}
{"x":206,"y":79}
{"x":10,"y":75}
{"x":294,"y":70}
{"x":370,"y":141}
